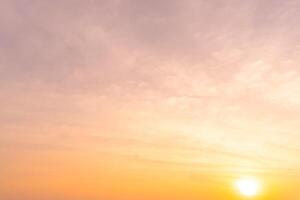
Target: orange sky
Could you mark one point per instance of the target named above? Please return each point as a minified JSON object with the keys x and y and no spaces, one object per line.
{"x":143,"y":99}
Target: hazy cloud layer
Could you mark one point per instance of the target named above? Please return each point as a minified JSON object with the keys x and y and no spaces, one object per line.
{"x":167,"y":82}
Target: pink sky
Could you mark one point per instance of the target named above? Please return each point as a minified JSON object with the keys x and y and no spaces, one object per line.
{"x":145,"y":99}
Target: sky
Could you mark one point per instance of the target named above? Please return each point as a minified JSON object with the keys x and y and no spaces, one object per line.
{"x":145,"y":99}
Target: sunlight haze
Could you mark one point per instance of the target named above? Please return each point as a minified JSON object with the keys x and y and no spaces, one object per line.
{"x":150,"y":100}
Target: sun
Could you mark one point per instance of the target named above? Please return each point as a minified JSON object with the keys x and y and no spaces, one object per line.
{"x":248,"y":187}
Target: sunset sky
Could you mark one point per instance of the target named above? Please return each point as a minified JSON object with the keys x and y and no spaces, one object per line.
{"x":149,"y":99}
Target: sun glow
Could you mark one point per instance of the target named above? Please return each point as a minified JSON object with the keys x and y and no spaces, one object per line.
{"x":248,"y":186}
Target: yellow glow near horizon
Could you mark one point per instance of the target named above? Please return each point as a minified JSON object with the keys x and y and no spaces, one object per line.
{"x":247,"y":186}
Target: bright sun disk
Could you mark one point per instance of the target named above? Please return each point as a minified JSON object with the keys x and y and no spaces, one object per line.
{"x":247,"y":186}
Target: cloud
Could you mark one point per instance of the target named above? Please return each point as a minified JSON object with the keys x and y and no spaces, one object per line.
{"x":208,"y":80}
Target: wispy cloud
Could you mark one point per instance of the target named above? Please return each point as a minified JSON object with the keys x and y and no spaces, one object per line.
{"x":192,"y":83}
